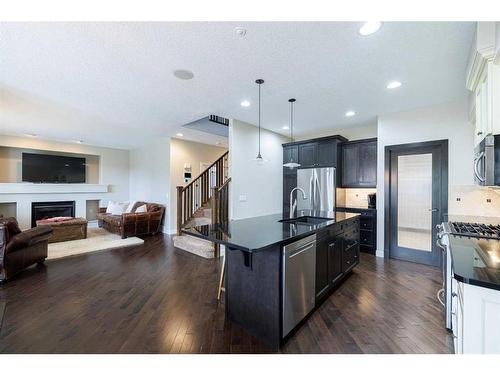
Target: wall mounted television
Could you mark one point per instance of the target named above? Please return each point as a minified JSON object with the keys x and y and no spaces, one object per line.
{"x":43,"y":168}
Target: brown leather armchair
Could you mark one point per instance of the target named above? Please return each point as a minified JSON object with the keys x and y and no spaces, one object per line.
{"x":19,"y":250}
{"x":133,"y":223}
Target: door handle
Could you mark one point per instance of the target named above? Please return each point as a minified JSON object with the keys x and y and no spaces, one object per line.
{"x":433,"y":210}
{"x":476,"y":167}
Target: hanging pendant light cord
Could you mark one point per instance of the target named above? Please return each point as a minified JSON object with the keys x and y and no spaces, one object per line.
{"x":291,"y":120}
{"x":259,"y":119}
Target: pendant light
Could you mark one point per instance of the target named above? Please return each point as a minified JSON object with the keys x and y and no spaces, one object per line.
{"x":291,"y":164}
{"x":259,"y":159}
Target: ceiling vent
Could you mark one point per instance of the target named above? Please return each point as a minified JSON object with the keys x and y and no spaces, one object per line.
{"x":211,"y":124}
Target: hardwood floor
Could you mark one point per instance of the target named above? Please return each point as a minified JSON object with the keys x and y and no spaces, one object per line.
{"x":158,"y":299}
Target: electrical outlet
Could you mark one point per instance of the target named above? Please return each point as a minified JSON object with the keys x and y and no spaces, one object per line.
{"x":243,"y":198}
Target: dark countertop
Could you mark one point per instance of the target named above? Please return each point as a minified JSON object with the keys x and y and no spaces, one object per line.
{"x":476,"y":262}
{"x":258,"y":233}
{"x":356,"y":208}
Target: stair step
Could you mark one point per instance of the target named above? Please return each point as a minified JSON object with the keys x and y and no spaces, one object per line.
{"x":194,"y":245}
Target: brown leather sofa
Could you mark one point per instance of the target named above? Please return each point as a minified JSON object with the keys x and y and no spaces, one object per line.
{"x":19,"y":250}
{"x":133,"y":224}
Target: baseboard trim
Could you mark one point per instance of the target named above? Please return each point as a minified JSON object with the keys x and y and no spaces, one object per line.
{"x":165,"y":230}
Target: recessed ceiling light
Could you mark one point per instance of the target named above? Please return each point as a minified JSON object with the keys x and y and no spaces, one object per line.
{"x":183,"y":74}
{"x":245,"y":103}
{"x":350,"y":113}
{"x":180,"y":135}
{"x":285,"y":127}
{"x":31,"y":135}
{"x":393,"y":84}
{"x":240,"y":31}
{"x":79,"y":142}
{"x":369,"y":28}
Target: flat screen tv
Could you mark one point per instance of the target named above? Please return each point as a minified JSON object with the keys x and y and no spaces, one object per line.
{"x":53,"y":169}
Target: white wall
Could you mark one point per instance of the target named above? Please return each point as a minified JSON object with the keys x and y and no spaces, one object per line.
{"x":150,"y":175}
{"x":261,"y":184}
{"x":444,"y":121}
{"x":114,"y":163}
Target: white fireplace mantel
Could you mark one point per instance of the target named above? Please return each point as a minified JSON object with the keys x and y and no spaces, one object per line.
{"x":30,"y":188}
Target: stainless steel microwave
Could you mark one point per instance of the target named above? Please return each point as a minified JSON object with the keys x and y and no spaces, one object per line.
{"x":487,"y":161}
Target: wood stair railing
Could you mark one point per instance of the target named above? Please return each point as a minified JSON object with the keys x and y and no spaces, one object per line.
{"x":198,"y":193}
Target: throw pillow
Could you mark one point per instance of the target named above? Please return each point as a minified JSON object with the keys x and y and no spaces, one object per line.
{"x":141,"y":209}
{"x":130,"y":207}
{"x":116,"y":208}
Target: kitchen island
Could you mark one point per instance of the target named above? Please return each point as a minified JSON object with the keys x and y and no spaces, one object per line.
{"x":279,"y":269}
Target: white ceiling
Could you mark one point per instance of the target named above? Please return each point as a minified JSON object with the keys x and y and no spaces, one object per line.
{"x":112,"y":83}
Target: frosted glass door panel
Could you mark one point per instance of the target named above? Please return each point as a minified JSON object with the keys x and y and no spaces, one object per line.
{"x":415,"y":202}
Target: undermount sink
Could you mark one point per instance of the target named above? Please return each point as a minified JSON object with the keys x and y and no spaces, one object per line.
{"x":306,"y":220}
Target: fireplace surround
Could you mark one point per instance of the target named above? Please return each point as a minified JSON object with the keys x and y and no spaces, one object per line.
{"x":46,"y":210}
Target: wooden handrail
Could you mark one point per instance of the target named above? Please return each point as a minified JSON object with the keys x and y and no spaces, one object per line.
{"x":197,"y":193}
{"x":211,"y":165}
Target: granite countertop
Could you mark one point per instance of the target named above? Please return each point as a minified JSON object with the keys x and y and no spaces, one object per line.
{"x":476,"y":262}
{"x":356,"y":208}
{"x":258,"y":233}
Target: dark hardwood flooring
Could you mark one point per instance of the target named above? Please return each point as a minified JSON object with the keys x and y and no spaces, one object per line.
{"x":158,"y":299}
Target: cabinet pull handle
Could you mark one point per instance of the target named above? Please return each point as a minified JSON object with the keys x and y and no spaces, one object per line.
{"x":479,"y":133}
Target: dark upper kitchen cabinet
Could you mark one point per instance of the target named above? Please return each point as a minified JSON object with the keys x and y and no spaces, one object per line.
{"x":368,"y":164}
{"x":308,"y":155}
{"x":359,"y":163}
{"x":290,"y":153}
{"x":319,"y":152}
{"x":327,"y":153}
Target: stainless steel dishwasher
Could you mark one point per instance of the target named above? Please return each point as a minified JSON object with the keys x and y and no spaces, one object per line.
{"x":299,"y":281}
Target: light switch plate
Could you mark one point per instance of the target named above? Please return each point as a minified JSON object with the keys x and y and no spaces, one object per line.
{"x":243,"y":198}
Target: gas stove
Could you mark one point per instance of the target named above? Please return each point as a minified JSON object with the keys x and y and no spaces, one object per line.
{"x":475,"y":230}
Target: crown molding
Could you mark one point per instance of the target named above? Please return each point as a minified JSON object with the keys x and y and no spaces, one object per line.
{"x":477,"y":65}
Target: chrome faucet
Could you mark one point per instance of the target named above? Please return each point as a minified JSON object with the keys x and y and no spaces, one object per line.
{"x":293,"y":205}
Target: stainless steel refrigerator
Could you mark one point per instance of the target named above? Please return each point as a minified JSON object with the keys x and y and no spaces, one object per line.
{"x":319,"y":186}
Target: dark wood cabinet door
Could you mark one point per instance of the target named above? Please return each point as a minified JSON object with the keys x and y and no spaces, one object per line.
{"x":289,"y":182}
{"x":327,"y":154}
{"x":350,"y":165}
{"x":368,"y":164}
{"x":290,"y":153}
{"x":335,"y":250}
{"x":308,"y":154}
{"x":322,"y":272}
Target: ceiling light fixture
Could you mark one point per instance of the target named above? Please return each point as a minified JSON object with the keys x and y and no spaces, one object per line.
{"x":291,"y":163}
{"x":240,"y":31}
{"x":393,"y":85}
{"x":369,"y":28}
{"x":31,"y":135}
{"x":285,"y":127}
{"x":79,"y":141}
{"x":259,"y":159}
{"x":183,"y":74}
{"x":180,"y":135}
{"x":245,"y":103}
{"x":350,"y":113}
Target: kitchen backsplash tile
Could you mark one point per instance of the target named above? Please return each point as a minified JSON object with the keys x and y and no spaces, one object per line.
{"x":353,"y":197}
{"x":474,"y":201}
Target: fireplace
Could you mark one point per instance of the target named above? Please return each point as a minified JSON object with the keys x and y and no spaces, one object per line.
{"x":46,"y":210}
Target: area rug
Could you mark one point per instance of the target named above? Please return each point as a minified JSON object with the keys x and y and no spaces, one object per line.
{"x":98,"y":239}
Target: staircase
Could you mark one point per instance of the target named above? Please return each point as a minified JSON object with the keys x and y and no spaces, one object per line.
{"x":203,"y":201}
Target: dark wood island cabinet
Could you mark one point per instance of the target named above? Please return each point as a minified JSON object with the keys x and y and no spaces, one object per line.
{"x":257,"y":261}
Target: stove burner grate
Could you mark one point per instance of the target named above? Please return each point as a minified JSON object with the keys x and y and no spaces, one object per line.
{"x":475,"y":230}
